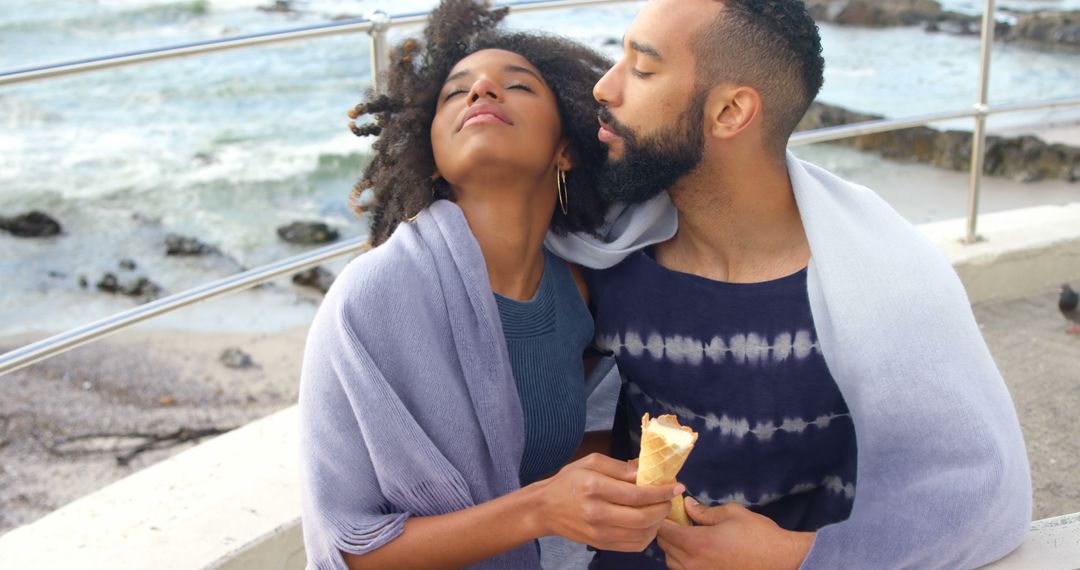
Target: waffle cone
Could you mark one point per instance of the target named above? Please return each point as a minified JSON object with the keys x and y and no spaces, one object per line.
{"x":660,"y":460}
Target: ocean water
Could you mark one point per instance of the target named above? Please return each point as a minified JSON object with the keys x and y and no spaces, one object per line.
{"x":229,"y":146}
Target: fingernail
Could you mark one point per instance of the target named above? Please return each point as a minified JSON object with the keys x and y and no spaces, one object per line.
{"x":691,"y":501}
{"x":679,"y":489}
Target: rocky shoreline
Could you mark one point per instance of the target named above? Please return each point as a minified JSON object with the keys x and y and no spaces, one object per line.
{"x":1023,"y":159}
{"x":1056,"y":28}
{"x":126,"y":279}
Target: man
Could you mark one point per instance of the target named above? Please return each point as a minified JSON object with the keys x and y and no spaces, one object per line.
{"x":848,"y":411}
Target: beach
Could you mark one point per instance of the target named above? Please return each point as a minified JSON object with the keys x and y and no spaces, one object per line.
{"x":136,"y":382}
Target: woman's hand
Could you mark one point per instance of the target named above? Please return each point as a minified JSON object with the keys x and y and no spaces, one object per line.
{"x":594,"y":501}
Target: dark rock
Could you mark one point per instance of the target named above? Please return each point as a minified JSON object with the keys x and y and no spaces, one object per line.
{"x":875,"y":13}
{"x":143,"y":288}
{"x":279,"y":6}
{"x":1025,"y":159}
{"x":139,"y":287}
{"x":30,"y":225}
{"x":180,"y":245}
{"x":1047,"y":27}
{"x":1071,"y":169}
{"x":127,"y":264}
{"x":203,"y":158}
{"x":109,"y":283}
{"x":316,"y":278}
{"x":83,"y":282}
{"x":307,"y":233}
{"x":236,"y":358}
{"x":952,"y":150}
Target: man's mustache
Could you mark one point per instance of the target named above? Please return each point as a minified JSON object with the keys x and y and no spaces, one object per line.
{"x":613,"y":124}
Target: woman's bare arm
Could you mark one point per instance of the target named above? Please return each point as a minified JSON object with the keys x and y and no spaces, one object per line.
{"x":592,"y":501}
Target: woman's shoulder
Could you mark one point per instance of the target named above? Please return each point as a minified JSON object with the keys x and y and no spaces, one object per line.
{"x":383,"y":277}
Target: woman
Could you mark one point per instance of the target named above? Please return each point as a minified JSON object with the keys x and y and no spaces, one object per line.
{"x":442,"y":377}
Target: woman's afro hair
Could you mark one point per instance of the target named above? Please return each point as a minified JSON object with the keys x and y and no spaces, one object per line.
{"x":400,"y":173}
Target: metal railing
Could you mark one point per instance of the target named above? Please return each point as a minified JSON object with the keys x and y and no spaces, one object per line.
{"x":377,"y":24}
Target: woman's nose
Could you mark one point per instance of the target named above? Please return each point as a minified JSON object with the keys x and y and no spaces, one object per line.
{"x":484,"y":88}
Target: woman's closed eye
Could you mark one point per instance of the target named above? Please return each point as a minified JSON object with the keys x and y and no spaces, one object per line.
{"x":454,"y":92}
{"x":461,"y":90}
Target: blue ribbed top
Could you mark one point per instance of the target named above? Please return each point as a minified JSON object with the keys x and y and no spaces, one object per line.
{"x":545,"y":337}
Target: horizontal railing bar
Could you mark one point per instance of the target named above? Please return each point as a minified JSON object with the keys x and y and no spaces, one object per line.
{"x":52,"y":71}
{"x":840,"y":132}
{"x":56,"y":70}
{"x":1034,"y":105}
{"x":79,"y":336}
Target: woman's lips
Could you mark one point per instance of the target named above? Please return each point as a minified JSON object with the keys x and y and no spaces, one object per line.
{"x":484,"y":118}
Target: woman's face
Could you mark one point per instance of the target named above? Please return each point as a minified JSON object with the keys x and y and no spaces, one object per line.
{"x":496,"y":117}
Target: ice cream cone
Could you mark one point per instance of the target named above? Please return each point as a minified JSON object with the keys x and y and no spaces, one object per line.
{"x":665,"y":445}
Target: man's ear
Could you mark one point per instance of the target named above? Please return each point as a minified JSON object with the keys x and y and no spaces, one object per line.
{"x":729,"y":110}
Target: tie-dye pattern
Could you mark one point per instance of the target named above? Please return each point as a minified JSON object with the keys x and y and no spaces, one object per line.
{"x":740,"y":364}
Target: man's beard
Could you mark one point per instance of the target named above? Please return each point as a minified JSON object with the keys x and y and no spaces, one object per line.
{"x":651,"y":165}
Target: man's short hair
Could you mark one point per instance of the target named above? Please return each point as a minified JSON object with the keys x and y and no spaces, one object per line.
{"x":771,"y":45}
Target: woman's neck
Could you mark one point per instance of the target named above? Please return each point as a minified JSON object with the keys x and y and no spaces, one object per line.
{"x":509,"y":223}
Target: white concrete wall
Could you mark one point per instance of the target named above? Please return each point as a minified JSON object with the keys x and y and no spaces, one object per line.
{"x":1054,"y":544}
{"x":1022,"y":252}
{"x":232,"y":503}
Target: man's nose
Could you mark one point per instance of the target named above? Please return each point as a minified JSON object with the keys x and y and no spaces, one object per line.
{"x":605,"y":91}
{"x":484,"y":88}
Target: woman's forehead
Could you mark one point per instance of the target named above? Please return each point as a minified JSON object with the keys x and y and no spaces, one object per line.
{"x":489,"y":59}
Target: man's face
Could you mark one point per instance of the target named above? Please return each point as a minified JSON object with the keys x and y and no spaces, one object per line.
{"x":651,"y":116}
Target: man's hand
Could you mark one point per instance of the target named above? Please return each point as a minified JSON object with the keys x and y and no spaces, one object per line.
{"x":594,"y":501}
{"x":730,"y":536}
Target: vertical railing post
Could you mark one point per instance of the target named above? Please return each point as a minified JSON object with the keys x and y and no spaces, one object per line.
{"x":380,"y":49}
{"x":978,"y":137}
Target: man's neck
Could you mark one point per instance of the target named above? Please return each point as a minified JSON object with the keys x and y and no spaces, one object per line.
{"x":509,"y":223}
{"x":738,"y":222}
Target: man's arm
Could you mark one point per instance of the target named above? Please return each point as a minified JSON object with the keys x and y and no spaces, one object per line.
{"x":593,"y":501}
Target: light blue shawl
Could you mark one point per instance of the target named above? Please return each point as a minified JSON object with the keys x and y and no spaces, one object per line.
{"x":943,"y":478}
{"x":407,"y":401}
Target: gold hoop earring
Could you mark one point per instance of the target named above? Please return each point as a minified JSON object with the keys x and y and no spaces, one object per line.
{"x":564,"y":193}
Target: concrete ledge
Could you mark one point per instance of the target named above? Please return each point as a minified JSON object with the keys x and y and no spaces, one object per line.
{"x":233,"y":502}
{"x":1054,"y":544}
{"x":1022,"y":251}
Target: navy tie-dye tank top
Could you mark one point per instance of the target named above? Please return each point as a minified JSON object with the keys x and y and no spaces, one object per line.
{"x":740,"y":364}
